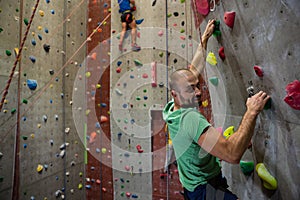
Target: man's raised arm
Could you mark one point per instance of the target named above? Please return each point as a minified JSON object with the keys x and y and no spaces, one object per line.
{"x":198,"y":62}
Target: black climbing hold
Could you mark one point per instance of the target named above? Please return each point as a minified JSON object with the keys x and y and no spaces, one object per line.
{"x":46,"y":47}
{"x":176,"y":14}
{"x":153,"y":3}
{"x":175,"y":60}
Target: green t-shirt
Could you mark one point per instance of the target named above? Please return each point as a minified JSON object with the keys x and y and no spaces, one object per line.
{"x":195,"y":165}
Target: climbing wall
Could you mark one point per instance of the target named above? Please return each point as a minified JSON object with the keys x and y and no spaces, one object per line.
{"x":263,"y":35}
{"x":42,"y":154}
{"x":92,"y":129}
{"x":139,"y":91}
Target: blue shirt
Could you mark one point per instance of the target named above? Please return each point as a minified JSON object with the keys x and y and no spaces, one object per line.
{"x":124,"y":5}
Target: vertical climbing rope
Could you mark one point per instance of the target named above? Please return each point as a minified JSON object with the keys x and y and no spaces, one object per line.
{"x":5,"y":91}
{"x":16,"y":164}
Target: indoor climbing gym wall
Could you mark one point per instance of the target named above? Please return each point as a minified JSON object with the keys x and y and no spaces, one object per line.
{"x":41,"y":52}
{"x":82,"y":118}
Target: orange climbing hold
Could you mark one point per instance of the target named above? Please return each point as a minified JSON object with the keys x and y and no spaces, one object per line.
{"x":94,"y":56}
{"x":103,"y":119}
{"x":92,"y":137}
{"x":229,"y":18}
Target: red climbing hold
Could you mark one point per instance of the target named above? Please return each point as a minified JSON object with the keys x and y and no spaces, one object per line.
{"x":202,"y":7}
{"x":139,"y":148}
{"x":221,"y":53}
{"x":293,"y":94}
{"x":229,"y":18}
{"x":259,"y":71}
{"x":118,"y":70}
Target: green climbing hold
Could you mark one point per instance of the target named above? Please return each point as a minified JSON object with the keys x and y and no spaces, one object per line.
{"x":8,"y":52}
{"x":25,"y":101}
{"x":268,"y":104}
{"x":24,"y":137}
{"x":138,"y":98}
{"x":269,"y":181}
{"x":217,"y":31}
{"x":1,"y":179}
{"x":13,"y":111}
{"x":214,"y":80}
{"x":1,"y":29}
{"x":138,"y":63}
{"x":17,"y":9}
{"x":161,"y":54}
{"x":247,"y":167}
{"x":169,"y":15}
{"x":26,"y":21}
{"x":182,"y":31}
{"x":182,"y":1}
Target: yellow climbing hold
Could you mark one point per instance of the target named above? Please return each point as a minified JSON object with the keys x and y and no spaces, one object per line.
{"x":87,"y":112}
{"x":39,"y":168}
{"x":42,"y":13}
{"x":40,"y":28}
{"x":88,"y":74}
{"x":211,"y":58}
{"x":80,"y":186}
{"x":16,"y":50}
{"x":228,"y":132}
{"x":269,"y":181}
{"x":103,"y":150}
{"x":205,"y":103}
{"x":98,"y":86}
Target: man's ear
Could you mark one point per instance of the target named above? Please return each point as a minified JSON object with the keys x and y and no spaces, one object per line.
{"x":173,"y":93}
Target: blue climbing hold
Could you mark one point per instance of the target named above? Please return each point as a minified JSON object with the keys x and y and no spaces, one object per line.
{"x":103,"y":105}
{"x":52,"y":12}
{"x":88,"y":186}
{"x":46,"y":30}
{"x":97,"y":125}
{"x":32,"y":58}
{"x":47,"y":1}
{"x":139,"y":21}
{"x":32,"y":84}
{"x":40,"y":36}
{"x":119,"y":63}
{"x":33,"y":42}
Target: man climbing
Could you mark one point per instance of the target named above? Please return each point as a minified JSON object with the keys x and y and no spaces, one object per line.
{"x":197,"y":144}
{"x":128,"y":22}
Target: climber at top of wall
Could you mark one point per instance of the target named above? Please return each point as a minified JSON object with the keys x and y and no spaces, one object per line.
{"x":128,"y":21}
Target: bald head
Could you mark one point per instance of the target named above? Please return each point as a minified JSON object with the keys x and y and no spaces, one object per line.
{"x":178,"y":77}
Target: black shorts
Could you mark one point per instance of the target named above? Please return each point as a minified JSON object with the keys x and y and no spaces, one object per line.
{"x":127,"y":17}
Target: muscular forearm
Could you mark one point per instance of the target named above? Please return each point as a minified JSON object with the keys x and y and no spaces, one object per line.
{"x":198,"y":62}
{"x":239,"y":141}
